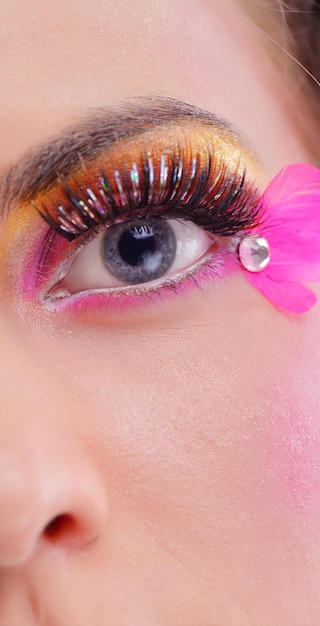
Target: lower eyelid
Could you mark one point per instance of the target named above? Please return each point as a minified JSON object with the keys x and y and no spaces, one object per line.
{"x":44,"y":265}
{"x":212,"y":267}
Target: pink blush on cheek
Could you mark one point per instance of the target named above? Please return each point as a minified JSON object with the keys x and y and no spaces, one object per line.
{"x":293,"y":446}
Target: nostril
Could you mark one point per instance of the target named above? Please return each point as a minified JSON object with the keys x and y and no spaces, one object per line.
{"x":51,"y":498}
{"x":62,"y":527}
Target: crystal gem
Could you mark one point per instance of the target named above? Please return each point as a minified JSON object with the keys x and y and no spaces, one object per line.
{"x":254,"y":253}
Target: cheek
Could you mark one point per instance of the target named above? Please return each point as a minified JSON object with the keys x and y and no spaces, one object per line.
{"x":293,"y":443}
{"x":196,"y":415}
{"x":213,"y":411}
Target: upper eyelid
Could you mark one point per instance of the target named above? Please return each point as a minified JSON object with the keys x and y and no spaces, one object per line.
{"x":244,"y":215}
{"x":37,"y":170}
{"x":203,"y":174}
{"x":222,"y":149}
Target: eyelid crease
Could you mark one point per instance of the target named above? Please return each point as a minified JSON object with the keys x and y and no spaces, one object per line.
{"x":93,"y":134}
{"x":187,"y":174}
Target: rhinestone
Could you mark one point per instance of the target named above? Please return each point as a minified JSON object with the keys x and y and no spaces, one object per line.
{"x":254,"y":253}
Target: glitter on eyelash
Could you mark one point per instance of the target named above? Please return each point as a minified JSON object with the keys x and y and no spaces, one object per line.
{"x":85,"y":207}
{"x":66,"y":225}
{"x":176,"y":178}
{"x":104,"y":186}
{"x":178,"y":173}
{"x":71,"y":217}
{"x":185,"y":195}
{"x":163,"y":175}
{"x":96,"y":204}
{"x":151,"y":178}
{"x":177,"y":184}
{"x":134,"y":175}
{"x":122,"y":196}
{"x":105,"y":192}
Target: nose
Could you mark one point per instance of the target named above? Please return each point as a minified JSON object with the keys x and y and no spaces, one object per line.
{"x":51,"y":492}
{"x":47,"y":499}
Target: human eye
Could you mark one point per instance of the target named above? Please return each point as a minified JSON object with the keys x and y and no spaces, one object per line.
{"x":151,"y":214}
{"x":144,"y":252}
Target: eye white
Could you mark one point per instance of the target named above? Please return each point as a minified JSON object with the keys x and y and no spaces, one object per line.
{"x":88,"y":270}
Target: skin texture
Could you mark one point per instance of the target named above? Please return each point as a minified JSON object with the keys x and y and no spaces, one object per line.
{"x":179,"y":441}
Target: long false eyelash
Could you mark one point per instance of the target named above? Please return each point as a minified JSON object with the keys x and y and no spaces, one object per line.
{"x":207,"y":193}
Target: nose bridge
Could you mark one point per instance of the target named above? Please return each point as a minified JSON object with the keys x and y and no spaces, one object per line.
{"x":46,"y":474}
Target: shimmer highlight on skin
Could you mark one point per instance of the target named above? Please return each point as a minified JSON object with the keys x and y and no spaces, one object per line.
{"x":198,"y":169}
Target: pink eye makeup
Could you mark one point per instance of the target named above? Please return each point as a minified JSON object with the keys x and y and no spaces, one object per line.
{"x":154,"y":210}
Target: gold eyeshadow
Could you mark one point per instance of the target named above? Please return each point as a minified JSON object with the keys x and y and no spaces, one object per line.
{"x":190,"y":170}
{"x":186,"y":169}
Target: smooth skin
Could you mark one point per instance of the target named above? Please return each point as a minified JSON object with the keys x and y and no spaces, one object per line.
{"x":180,"y":442}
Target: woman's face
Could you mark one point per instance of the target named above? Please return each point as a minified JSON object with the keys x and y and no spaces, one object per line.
{"x":159,"y":456}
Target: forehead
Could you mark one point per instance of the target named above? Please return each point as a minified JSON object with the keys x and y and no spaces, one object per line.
{"x":61,"y":60}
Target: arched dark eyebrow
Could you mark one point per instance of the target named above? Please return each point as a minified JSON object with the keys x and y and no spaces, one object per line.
{"x":90,"y":137}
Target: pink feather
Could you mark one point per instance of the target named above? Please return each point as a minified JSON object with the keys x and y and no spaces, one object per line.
{"x":290,"y":210}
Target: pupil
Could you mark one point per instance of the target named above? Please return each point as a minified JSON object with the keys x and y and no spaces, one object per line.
{"x":135,"y":248}
{"x":139,"y":251}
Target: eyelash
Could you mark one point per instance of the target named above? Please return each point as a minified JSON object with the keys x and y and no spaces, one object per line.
{"x":208,"y":194}
{"x":200,"y":189}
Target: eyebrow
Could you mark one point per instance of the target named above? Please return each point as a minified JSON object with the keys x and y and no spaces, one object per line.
{"x":89,"y":137}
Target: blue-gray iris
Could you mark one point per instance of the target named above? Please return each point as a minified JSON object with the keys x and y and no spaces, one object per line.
{"x":138,"y":251}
